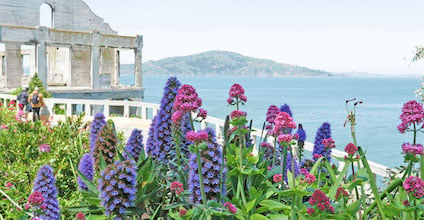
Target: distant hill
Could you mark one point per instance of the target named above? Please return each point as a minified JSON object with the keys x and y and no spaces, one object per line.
{"x":222,"y":63}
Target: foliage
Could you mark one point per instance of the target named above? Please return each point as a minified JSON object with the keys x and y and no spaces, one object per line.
{"x":34,"y":83}
{"x":234,"y":176}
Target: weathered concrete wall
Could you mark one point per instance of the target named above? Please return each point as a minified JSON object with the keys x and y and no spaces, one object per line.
{"x":107,"y":66}
{"x":80,"y":66}
{"x":13,"y":65}
{"x":59,"y":70}
{"x":72,"y":15}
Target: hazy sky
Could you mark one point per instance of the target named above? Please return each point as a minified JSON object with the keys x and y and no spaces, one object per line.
{"x":339,"y":36}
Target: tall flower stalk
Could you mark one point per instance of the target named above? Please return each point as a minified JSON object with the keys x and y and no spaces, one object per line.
{"x":45,"y":184}
{"x":237,"y":98}
{"x":86,"y":166}
{"x":163,"y":147}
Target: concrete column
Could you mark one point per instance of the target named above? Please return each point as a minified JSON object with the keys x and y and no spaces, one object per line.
{"x":14,"y":70}
{"x":95,"y":61}
{"x":138,"y":62}
{"x":116,"y":73}
{"x":42,"y":55}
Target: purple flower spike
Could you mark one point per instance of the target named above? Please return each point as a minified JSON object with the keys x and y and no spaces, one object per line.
{"x":324,"y":132}
{"x":117,"y":186}
{"x":86,"y":166}
{"x":211,"y":160}
{"x":95,"y":127}
{"x":162,"y":147}
{"x":134,"y":145}
{"x":45,"y":184}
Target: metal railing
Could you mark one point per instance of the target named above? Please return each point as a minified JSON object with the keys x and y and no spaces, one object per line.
{"x":142,"y":110}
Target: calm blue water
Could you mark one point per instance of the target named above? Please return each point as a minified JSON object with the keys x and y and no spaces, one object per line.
{"x":314,"y":101}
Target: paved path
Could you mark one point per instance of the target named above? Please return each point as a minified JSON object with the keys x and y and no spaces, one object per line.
{"x":125,"y":125}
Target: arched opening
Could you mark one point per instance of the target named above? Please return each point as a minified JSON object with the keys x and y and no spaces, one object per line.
{"x":46,"y":15}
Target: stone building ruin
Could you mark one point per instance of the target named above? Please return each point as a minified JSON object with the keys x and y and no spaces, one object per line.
{"x":77,"y":55}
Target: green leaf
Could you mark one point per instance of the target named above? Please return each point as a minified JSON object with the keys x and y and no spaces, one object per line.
{"x":91,"y":187}
{"x":278,"y":217}
{"x":315,"y":167}
{"x":96,"y":217}
{"x":250,"y":205}
{"x":257,"y":216}
{"x":274,"y":205}
{"x":354,"y":207}
{"x":102,"y":164}
{"x":120,"y":156}
{"x":273,"y":171}
{"x":333,"y":189}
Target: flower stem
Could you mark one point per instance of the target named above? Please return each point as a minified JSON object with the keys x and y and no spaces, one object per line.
{"x":199,"y":171}
{"x":284,"y":161}
{"x":354,"y":179}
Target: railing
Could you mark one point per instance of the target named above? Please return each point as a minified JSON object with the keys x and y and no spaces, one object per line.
{"x":142,"y":109}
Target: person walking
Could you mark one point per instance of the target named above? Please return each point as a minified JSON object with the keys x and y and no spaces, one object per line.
{"x":23,"y":101}
{"x":37,"y":101}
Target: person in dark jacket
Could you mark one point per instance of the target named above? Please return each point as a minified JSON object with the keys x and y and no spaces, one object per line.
{"x":23,"y":99}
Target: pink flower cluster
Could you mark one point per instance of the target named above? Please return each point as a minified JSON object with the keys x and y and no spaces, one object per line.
{"x":310,"y":178}
{"x":328,"y":143}
{"x":286,"y":138}
{"x":196,"y":137}
{"x":8,"y":186}
{"x":202,"y":113}
{"x":236,"y":93}
{"x":36,"y":199}
{"x":414,"y":185}
{"x":177,"y":188}
{"x":266,"y":144}
{"x":230,"y":207}
{"x":321,"y":201}
{"x":187,"y":99}
{"x":412,"y":113}
{"x":44,"y":148}
{"x":351,"y":149}
{"x":277,"y":178}
{"x":341,"y":193}
{"x":182,"y":212}
{"x":310,"y":210}
{"x":80,"y":216}
{"x":412,"y":149}
{"x":304,"y":171}
{"x":237,"y":114}
{"x":270,"y":116}
{"x":283,"y":120}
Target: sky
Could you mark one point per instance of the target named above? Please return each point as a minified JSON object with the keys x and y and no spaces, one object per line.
{"x":339,"y":36}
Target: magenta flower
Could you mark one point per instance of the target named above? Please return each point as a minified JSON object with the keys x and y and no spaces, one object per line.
{"x":236,"y":95}
{"x":304,"y":171}
{"x":197,"y":137}
{"x":283,"y":121}
{"x":187,"y":99}
{"x":341,"y":193}
{"x":321,"y":201}
{"x":412,"y":149}
{"x":177,"y":116}
{"x":412,"y":113}
{"x":351,"y":149}
{"x":271,"y":114}
{"x":286,"y":138}
{"x":237,"y":114}
{"x":277,"y":178}
{"x":328,"y":143}
{"x":310,"y":211}
{"x":44,"y":148}
{"x":310,"y":178}
{"x":177,"y":188}
{"x":230,"y":207}
{"x":202,"y":113}
{"x":35,"y":199}
{"x":414,"y":185}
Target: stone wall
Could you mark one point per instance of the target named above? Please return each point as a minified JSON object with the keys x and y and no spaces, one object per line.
{"x":80,"y":56}
{"x":72,"y":15}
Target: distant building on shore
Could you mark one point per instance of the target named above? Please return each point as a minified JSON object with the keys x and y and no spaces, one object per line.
{"x":75,"y":53}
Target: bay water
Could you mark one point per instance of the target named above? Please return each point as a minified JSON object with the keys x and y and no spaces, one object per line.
{"x":314,"y":101}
